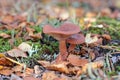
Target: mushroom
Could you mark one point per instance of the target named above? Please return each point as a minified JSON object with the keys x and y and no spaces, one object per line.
{"x":61,"y":34}
{"x":74,"y":40}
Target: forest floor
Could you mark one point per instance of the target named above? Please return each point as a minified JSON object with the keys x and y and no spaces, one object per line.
{"x":27,"y":52}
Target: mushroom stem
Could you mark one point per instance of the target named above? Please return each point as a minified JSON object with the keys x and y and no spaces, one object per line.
{"x":63,"y":51}
{"x":62,"y":47}
{"x":71,"y":47}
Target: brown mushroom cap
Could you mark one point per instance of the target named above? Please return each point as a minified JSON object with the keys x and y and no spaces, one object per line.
{"x":62,"y":32}
{"x":76,"y":39}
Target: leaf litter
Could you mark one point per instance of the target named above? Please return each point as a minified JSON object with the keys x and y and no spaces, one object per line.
{"x":97,"y":57}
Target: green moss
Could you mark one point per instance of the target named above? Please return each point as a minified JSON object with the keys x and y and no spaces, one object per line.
{"x":111,"y":73}
{"x":4,"y":45}
{"x":112,"y":27}
{"x":37,"y":28}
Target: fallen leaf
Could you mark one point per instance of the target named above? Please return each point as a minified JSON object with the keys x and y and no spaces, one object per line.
{"x":25,"y":47}
{"x":50,"y":75}
{"x":16,"y":53}
{"x":38,"y":71}
{"x":36,"y":36}
{"x":74,"y":69}
{"x":30,"y":30}
{"x":40,"y":20}
{"x":28,"y":72}
{"x":2,"y":55}
{"x":7,"y":18}
{"x":61,"y":67}
{"x":1,"y":67}
{"x":90,"y":14}
{"x":44,"y":63}
{"x":76,"y":61}
{"x":61,"y":79}
{"x":6,"y":71}
{"x":22,"y":25}
{"x":94,"y":65}
{"x":105,"y":12}
{"x":106,"y":36}
{"x":4,"y":35}
{"x":21,"y":71}
{"x":12,"y":60}
{"x":89,"y":39}
{"x":20,"y":18}
{"x":5,"y":62}
{"x":30,"y":78}
{"x":79,"y":12}
{"x":17,"y":68}
{"x":92,"y":55}
{"x":65,"y":77}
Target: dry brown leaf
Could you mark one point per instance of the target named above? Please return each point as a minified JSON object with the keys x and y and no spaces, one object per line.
{"x":40,"y":20}
{"x":30,"y":78}
{"x":28,"y":72}
{"x":44,"y":63}
{"x":106,"y":36}
{"x":91,"y":14}
{"x":8,"y":60}
{"x":94,"y":65}
{"x":22,"y":25}
{"x":105,"y":12}
{"x":25,"y":24}
{"x":92,"y":55}
{"x":1,"y":67}
{"x":6,"y":71}
{"x":74,"y":70}
{"x":61,"y":67}
{"x":60,"y":79}
{"x":20,"y":18}
{"x":76,"y":61}
{"x":21,"y":71}
{"x":36,"y":36}
{"x":17,"y":68}
{"x":18,"y":73}
{"x":49,"y":76}
{"x":24,"y":47}
{"x":4,"y":35}
{"x":79,"y":12}
{"x":65,"y":77}
{"x":16,"y":53}
{"x":5,"y":62}
{"x":30,"y":30}
{"x":7,"y":18}
{"x":37,"y":70}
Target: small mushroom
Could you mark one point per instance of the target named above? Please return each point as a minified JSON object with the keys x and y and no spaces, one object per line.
{"x":74,"y":40}
{"x":61,"y":34}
